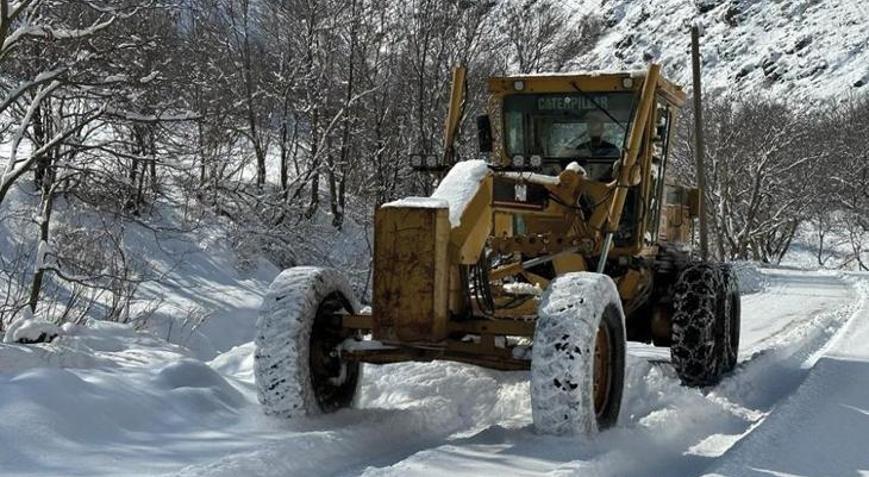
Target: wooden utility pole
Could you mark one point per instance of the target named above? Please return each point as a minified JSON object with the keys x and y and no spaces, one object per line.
{"x":699,"y":152}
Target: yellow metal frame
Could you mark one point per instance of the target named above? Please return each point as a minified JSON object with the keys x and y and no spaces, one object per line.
{"x":577,"y":236}
{"x":455,"y":112}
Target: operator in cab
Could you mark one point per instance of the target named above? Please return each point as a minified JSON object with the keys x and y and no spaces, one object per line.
{"x":593,"y":144}
{"x":597,"y":146}
{"x":591,"y":150}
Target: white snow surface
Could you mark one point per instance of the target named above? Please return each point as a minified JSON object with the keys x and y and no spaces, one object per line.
{"x":197,"y":293}
{"x":821,"y":429}
{"x":836,"y":251}
{"x":30,"y":330}
{"x":103,"y":400}
{"x":459,"y":186}
{"x":419,"y":202}
{"x":518,"y":288}
{"x":751,"y":278}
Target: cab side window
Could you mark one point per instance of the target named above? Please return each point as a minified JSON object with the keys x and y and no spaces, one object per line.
{"x":660,"y":149}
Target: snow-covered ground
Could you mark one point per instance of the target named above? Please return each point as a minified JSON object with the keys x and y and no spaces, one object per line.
{"x":105,"y":400}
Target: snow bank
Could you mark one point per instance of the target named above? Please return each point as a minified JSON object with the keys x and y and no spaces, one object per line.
{"x":191,"y":378}
{"x":448,"y":396}
{"x":837,"y":253}
{"x":104,"y":397}
{"x":31,"y":331}
{"x":236,"y":363}
{"x":193,"y":292}
{"x":95,"y":344}
{"x":206,"y":302}
{"x":102,"y":394}
{"x":751,"y":278}
{"x":666,"y":428}
{"x":459,"y":187}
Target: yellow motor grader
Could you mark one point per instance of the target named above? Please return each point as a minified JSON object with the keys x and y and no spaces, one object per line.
{"x":568,"y":239}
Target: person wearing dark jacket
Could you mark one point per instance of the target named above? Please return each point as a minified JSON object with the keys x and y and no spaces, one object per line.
{"x":596,"y":146}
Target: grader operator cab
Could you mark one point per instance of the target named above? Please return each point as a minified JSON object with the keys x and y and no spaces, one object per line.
{"x":567,"y":240}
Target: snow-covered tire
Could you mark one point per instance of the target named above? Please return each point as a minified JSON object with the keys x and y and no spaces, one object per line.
{"x":703,"y":347}
{"x":580,"y":318}
{"x":296,"y":370}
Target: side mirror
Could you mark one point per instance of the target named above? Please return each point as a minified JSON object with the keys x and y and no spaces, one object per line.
{"x":484,"y":133}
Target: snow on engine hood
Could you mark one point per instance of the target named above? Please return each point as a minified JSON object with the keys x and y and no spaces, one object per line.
{"x":460,"y":186}
{"x":455,"y":191}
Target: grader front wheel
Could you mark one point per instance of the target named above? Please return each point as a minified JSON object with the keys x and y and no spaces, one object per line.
{"x":578,"y":356}
{"x":297,"y":369}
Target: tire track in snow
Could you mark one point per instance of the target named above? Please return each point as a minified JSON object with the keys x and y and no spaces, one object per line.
{"x":665,"y":428}
{"x":405,"y":408}
{"x":822,"y":427}
{"x":792,"y":299}
{"x":333,"y":445}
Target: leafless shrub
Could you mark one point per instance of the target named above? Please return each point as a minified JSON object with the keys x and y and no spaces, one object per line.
{"x":181,"y":331}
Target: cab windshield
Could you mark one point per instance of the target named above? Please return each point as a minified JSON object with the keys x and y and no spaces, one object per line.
{"x":562,"y":127}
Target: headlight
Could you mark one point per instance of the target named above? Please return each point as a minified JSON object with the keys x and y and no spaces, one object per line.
{"x":416,"y":161}
{"x":518,"y":161}
{"x":431,"y":162}
{"x":536,"y":161}
{"x":518,"y":85}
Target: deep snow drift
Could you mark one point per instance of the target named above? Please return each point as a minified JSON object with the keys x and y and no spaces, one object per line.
{"x":105,"y":400}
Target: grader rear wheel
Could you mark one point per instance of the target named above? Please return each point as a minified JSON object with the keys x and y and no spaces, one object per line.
{"x":705,"y":324}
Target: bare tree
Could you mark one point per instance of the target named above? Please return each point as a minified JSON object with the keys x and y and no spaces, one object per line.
{"x":761,"y":164}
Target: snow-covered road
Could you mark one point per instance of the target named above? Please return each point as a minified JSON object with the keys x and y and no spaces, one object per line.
{"x":798,"y":404}
{"x":667,"y":429}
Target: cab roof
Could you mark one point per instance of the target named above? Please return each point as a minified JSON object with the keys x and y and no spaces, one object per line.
{"x":587,"y":81}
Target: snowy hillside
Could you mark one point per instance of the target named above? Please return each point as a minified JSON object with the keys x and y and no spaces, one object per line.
{"x":198,"y":290}
{"x":787,"y":49}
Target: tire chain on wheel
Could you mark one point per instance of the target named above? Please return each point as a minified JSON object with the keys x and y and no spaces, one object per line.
{"x":281,"y":364}
{"x":696,"y":308}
